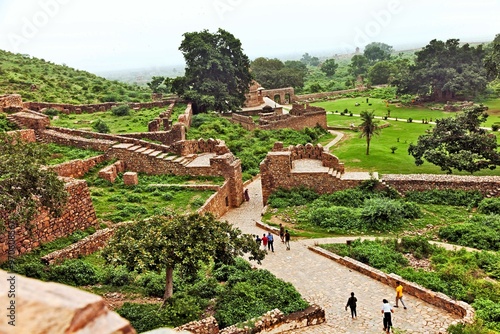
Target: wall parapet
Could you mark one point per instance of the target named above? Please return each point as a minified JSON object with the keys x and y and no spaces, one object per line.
{"x":77,"y":168}
{"x":459,"y":308}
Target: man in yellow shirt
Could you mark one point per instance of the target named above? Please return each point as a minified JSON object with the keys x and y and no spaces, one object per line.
{"x":399,"y":294}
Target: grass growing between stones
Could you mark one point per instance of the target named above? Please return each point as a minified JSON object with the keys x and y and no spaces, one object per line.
{"x":60,"y":153}
{"x":137,"y":121}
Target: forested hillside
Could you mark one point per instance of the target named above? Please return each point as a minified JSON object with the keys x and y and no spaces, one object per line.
{"x":39,"y":80}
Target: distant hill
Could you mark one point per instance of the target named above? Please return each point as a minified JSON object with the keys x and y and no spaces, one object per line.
{"x":39,"y":80}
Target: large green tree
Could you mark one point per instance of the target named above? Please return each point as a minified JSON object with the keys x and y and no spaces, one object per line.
{"x":458,"y":143}
{"x":25,"y":187}
{"x":273,"y":73}
{"x":217,"y":71}
{"x":445,"y":70}
{"x":377,"y":51}
{"x":492,"y":59}
{"x":184,"y":241}
{"x":329,"y":67}
{"x":368,"y":127}
{"x":358,"y":66}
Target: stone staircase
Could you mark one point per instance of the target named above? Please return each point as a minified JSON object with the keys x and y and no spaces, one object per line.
{"x":493,"y":193}
{"x":385,"y":184}
{"x":14,"y":120}
{"x":335,"y":173}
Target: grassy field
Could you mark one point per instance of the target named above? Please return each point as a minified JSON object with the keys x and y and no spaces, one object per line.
{"x":60,"y":153}
{"x":352,"y":149}
{"x":137,"y":121}
{"x":380,"y":107}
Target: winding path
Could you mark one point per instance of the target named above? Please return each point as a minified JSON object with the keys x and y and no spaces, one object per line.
{"x":329,"y":284}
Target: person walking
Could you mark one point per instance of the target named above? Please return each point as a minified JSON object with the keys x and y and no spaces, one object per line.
{"x":351,"y":302}
{"x":386,"y":311}
{"x":282,"y":233}
{"x":270,"y":242}
{"x":399,"y":295}
{"x":287,"y":240}
{"x":264,"y":241}
{"x":258,"y":240}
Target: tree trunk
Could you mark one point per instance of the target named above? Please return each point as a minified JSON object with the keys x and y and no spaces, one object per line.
{"x":367,"y":146}
{"x":169,"y":284}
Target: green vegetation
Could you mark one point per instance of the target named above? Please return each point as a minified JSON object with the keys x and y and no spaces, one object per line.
{"x":136,"y":121}
{"x":5,"y":124}
{"x":59,"y":153}
{"x":250,"y":146}
{"x":467,"y":276}
{"x":154,"y":194}
{"x":39,"y":80}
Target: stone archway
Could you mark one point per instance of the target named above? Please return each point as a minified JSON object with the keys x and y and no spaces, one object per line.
{"x":277,"y":98}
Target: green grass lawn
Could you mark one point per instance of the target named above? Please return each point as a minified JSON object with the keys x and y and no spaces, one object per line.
{"x":137,"y":121}
{"x":352,"y":149}
{"x":60,"y":153}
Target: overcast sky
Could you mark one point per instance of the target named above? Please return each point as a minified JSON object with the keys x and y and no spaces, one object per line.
{"x":103,"y":35}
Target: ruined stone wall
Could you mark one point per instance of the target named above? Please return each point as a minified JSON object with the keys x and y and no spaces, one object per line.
{"x":77,"y":168}
{"x":282,"y":92}
{"x":30,"y":119}
{"x":61,"y":138}
{"x":78,"y":214}
{"x":45,"y":307}
{"x":11,"y":103}
{"x":487,"y":185}
{"x":218,"y":203}
{"x":245,"y":121}
{"x":27,"y":135}
{"x":187,"y":116}
{"x":175,"y":134}
{"x":187,"y":147}
{"x":90,"y":108}
{"x":459,"y":308}
{"x":309,"y":120}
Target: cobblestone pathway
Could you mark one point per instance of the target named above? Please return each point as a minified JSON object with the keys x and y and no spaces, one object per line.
{"x":329,"y":284}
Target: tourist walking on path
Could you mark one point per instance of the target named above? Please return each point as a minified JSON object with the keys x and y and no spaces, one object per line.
{"x":258,"y":240}
{"x":399,"y":294}
{"x":287,"y":240}
{"x":264,"y":241}
{"x":351,"y":302}
{"x":386,"y":311}
{"x":282,"y":233}
{"x":270,"y":242}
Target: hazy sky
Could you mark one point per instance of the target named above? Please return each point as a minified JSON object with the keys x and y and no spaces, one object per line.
{"x":102,"y":35}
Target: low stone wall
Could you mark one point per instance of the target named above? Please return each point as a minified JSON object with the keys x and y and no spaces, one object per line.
{"x":218,"y":203}
{"x":78,"y":214}
{"x":30,"y":119}
{"x":308,"y":120}
{"x":77,"y":168}
{"x":245,"y":121}
{"x":86,"y":246}
{"x":273,"y":322}
{"x":459,"y":308}
{"x":43,"y":307}
{"x":27,"y":135}
{"x":487,"y":185}
{"x":110,"y":173}
{"x":187,"y":116}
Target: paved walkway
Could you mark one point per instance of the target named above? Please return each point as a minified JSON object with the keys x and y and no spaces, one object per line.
{"x":329,"y":284}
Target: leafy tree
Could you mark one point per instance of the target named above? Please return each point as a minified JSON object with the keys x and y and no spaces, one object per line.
{"x":368,"y":127}
{"x":492,"y":59}
{"x":273,"y":73}
{"x":159,"y":84}
{"x":217,"y":71}
{"x":164,"y":242}
{"x":376,"y":51}
{"x":329,"y":67}
{"x":444,"y":70}
{"x":380,"y":73}
{"x":458,"y":143}
{"x":24,"y":186}
{"x":358,"y":66}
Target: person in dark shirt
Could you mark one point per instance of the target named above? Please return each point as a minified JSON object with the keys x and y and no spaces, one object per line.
{"x":351,"y":302}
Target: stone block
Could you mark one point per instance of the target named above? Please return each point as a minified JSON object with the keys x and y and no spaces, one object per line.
{"x":130,"y":178}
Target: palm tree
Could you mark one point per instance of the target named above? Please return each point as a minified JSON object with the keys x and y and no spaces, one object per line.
{"x":368,"y":127}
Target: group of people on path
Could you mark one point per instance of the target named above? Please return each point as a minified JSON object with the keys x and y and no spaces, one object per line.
{"x":386,"y":309}
{"x":268,"y":240}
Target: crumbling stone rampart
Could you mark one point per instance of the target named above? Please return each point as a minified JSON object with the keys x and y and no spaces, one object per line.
{"x":77,"y":168}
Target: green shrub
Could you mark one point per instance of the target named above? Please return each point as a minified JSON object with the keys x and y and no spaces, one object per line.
{"x":153,"y":283}
{"x":116,"y":276}
{"x":474,"y":235}
{"x":32,"y":269}
{"x":334,"y":218}
{"x":144,"y":317}
{"x":133,"y":198}
{"x":489,"y":206}
{"x":445,"y":197}
{"x":293,"y":197}
{"x":382,"y":214}
{"x":411,"y":210}
{"x":121,"y":110}
{"x":51,"y":112}
{"x":488,"y":311}
{"x":101,"y":126}
{"x":475,"y":328}
{"x":74,"y":272}
{"x":418,"y":246}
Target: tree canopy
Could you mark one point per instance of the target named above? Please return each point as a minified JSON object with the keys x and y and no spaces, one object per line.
{"x":217,"y":71}
{"x":24,"y":186}
{"x":273,"y":73}
{"x":164,"y":242}
{"x":492,"y":59}
{"x":458,"y":143}
{"x":329,"y":67}
{"x":369,"y":127}
{"x":444,"y":70}
{"x":377,"y":51}
{"x":358,"y":66}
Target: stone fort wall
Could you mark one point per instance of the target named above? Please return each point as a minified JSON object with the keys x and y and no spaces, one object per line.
{"x":90,"y":108}
{"x":78,"y":214}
